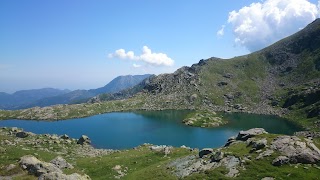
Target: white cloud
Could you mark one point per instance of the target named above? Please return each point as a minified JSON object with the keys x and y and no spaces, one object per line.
{"x":147,"y":56}
{"x":266,"y":22}
{"x":136,"y":65}
{"x":221,"y":31}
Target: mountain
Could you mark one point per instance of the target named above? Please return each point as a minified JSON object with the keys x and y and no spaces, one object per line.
{"x":20,"y":98}
{"x":282,"y":79}
{"x":120,"y":83}
{"x":80,"y":96}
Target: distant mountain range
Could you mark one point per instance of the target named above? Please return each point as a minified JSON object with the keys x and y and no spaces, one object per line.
{"x":50,"y":96}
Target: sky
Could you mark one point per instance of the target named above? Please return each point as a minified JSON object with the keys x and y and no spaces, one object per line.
{"x":81,"y":44}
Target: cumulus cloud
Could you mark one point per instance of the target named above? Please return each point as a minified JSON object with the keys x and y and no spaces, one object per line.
{"x":147,"y":56}
{"x":221,"y":31}
{"x":261,"y":24}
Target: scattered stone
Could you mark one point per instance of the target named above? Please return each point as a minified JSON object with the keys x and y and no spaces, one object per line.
{"x":84,"y":140}
{"x":280,"y":160}
{"x":244,"y":135}
{"x":205,"y":151}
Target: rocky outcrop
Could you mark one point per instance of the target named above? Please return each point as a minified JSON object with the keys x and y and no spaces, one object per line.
{"x":296,"y":149}
{"x":48,"y":171}
{"x":37,"y":167}
{"x":244,"y":135}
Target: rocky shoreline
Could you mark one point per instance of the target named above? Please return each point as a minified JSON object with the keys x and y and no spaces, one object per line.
{"x":249,"y":146}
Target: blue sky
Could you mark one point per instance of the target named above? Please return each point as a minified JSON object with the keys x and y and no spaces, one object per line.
{"x":80,"y":44}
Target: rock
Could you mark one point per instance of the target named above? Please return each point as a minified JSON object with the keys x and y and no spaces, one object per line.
{"x":37,"y":167}
{"x":3,"y":150}
{"x":244,"y":135}
{"x":59,"y":175}
{"x":162,"y":148}
{"x":260,"y":144}
{"x":22,"y":134}
{"x":205,"y":151}
{"x":308,"y":134}
{"x":230,"y":141}
{"x":167,"y":151}
{"x":217,"y":156}
{"x":267,"y":178}
{"x":297,"y":150}
{"x":228,"y":75}
{"x":61,"y":163}
{"x":266,"y":153}
{"x":84,"y":140}
{"x":64,"y":136}
{"x":231,"y":163}
{"x":10,"y":167}
{"x":193,"y":97}
{"x":280,"y":160}
{"x":229,"y":96}
{"x":237,"y":106}
{"x":222,"y":83}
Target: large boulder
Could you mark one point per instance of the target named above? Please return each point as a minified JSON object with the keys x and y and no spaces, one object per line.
{"x":22,"y":134}
{"x":84,"y":140}
{"x":37,"y":167}
{"x":205,"y":151}
{"x":297,"y":150}
{"x":244,"y":135}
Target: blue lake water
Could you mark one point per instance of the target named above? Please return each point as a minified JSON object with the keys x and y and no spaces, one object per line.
{"x":121,"y":130}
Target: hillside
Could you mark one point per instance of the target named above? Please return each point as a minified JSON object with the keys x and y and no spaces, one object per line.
{"x":282,"y":79}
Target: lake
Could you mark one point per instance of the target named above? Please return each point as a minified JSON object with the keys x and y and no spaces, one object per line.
{"x":121,"y":130}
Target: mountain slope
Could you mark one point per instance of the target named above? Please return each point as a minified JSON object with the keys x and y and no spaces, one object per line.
{"x":20,"y":98}
{"x":120,"y":83}
{"x":80,"y":96}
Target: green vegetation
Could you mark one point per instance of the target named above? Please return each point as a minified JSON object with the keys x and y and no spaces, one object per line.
{"x":204,"y":119}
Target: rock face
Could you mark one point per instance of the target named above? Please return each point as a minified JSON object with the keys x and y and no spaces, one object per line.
{"x":244,"y":135}
{"x":84,"y":140}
